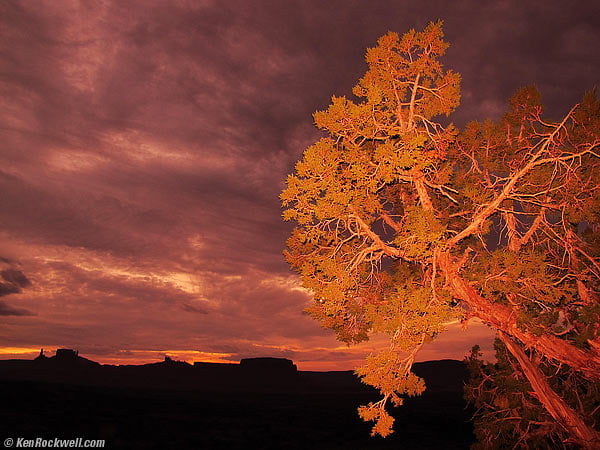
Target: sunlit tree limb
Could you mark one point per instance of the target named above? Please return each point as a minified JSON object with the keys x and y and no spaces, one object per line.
{"x":586,"y":436}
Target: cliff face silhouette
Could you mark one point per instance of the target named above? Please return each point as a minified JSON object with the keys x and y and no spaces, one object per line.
{"x":260,"y":402}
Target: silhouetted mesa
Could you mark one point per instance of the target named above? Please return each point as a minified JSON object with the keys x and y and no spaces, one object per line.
{"x":66,"y":354}
{"x":66,"y":357}
{"x":250,"y":375}
{"x":281,"y":365}
{"x":270,"y":373}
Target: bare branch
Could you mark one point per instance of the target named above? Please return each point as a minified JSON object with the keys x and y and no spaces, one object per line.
{"x":506,"y":191}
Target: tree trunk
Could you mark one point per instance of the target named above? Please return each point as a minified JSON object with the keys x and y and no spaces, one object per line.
{"x":564,"y":415}
{"x":504,"y":319}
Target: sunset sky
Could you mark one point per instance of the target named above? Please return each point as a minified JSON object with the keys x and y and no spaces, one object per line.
{"x":143,"y":146}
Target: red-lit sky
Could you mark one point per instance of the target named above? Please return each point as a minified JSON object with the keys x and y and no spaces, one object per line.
{"x":143,"y":146}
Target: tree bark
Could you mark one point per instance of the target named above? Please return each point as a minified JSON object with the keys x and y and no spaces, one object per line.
{"x":514,"y":240}
{"x":504,"y":319}
{"x":419,"y":181}
{"x":564,"y":415}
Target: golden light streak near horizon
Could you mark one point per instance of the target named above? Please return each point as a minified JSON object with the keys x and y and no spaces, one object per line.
{"x":19,"y":350}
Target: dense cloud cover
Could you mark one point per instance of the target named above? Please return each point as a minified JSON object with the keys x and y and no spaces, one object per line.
{"x":143,"y":147}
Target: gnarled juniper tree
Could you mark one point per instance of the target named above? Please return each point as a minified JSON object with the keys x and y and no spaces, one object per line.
{"x":394,"y":213}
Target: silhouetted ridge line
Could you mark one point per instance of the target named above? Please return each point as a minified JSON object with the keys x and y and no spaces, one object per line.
{"x":250,"y":375}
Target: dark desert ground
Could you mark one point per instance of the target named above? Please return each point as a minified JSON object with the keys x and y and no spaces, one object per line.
{"x":259,"y":403}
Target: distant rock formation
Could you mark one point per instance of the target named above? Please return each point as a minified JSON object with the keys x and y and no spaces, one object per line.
{"x":280,"y":365}
{"x":66,"y":354}
{"x":173,"y":362}
{"x":41,"y":356}
{"x":250,"y":375}
{"x":64,"y":358}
